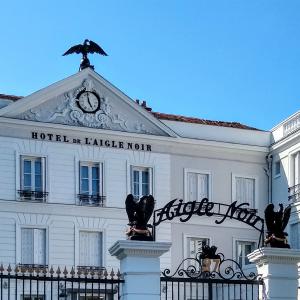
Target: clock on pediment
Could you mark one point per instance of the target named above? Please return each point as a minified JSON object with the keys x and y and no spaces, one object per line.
{"x":88,"y":101}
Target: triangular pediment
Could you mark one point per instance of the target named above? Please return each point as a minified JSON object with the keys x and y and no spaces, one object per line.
{"x":86,"y":100}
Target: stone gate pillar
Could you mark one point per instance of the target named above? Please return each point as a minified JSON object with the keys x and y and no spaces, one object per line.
{"x":279,"y":270}
{"x":140,"y":266}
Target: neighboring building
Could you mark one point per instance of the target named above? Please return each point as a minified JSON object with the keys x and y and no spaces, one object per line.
{"x":71,"y":152}
{"x":285,"y":163}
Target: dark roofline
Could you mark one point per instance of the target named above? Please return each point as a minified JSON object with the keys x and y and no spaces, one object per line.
{"x":10,"y":97}
{"x":179,"y":118}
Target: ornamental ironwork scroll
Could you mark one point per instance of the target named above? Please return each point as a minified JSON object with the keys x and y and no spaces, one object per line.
{"x":177,"y":208}
{"x":204,"y":266}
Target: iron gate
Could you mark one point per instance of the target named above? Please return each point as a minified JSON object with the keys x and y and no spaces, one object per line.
{"x":210,"y":276}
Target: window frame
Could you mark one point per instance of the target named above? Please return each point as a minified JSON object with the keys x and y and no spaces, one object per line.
{"x":185,"y":239}
{"x":90,"y":199}
{"x":188,"y":239}
{"x":141,"y":168}
{"x":19,"y":241}
{"x":186,"y":171}
{"x":34,"y":158}
{"x":90,"y":164}
{"x":185,"y":245}
{"x":294,"y":159}
{"x":235,"y":251}
{"x":233,"y":188}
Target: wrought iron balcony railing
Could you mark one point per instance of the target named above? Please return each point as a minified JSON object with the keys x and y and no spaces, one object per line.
{"x":91,"y":200}
{"x":31,"y":267}
{"x":37,"y":196}
{"x":89,"y":269}
{"x":294,"y":193}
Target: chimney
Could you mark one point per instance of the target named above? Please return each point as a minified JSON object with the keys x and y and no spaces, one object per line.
{"x":143,"y":104}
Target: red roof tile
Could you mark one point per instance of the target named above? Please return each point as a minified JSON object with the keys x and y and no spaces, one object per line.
{"x":179,"y":118}
{"x":10,"y":97}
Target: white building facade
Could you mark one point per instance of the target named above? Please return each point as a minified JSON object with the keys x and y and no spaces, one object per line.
{"x":71,"y":152}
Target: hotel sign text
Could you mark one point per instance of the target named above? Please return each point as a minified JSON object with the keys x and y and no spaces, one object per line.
{"x":91,"y":141}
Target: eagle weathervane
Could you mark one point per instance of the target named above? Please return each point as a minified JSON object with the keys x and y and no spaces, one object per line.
{"x":87,"y":47}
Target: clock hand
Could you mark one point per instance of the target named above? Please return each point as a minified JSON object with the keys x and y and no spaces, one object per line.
{"x":89,"y":101}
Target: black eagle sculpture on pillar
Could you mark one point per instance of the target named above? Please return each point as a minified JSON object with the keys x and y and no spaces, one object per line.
{"x":87,"y":47}
{"x":276,"y":223}
{"x":139,"y":213}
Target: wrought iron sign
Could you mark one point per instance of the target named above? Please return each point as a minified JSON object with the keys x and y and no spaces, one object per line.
{"x":177,"y":208}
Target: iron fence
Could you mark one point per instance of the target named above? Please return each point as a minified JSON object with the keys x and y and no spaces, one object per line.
{"x":41,"y":283}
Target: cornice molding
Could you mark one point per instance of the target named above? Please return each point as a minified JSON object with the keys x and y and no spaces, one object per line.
{"x":265,"y":255}
{"x":165,"y":139}
{"x":127,"y":248}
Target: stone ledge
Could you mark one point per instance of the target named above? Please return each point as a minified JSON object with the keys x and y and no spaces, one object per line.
{"x":124,"y":248}
{"x":274,"y":255}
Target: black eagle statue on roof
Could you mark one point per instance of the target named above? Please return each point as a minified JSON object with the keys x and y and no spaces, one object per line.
{"x":87,"y":47}
{"x":276,"y":223}
{"x":139,"y":213}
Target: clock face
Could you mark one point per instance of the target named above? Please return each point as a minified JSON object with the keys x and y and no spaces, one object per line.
{"x":88,"y":101}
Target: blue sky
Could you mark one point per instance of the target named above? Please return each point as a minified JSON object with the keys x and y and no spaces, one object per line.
{"x":230,"y":60}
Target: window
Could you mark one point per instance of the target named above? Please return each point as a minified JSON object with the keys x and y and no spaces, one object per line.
{"x":296,"y":167}
{"x":91,"y":184}
{"x":33,"y":183}
{"x":245,"y":190}
{"x":197,"y":186}
{"x":194,"y":245}
{"x":294,"y":189}
{"x":244,"y":248}
{"x":90,"y":254}
{"x":141,"y":182}
{"x":33,"y":246}
{"x":277,"y":168}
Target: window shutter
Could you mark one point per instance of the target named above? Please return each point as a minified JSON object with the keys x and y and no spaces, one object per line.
{"x":94,"y":245}
{"x":191,"y":245}
{"x":27,"y":246}
{"x":203,"y":186}
{"x":40,"y":246}
{"x":90,"y":249}
{"x":83,"y":241}
{"x":245,"y":190}
{"x":239,"y":189}
{"x":192,"y":186}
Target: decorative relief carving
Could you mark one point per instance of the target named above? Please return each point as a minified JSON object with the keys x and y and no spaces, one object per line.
{"x":64,"y":110}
